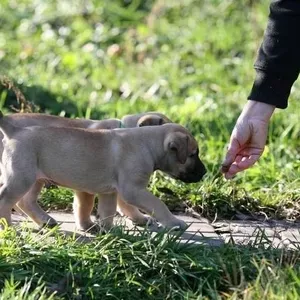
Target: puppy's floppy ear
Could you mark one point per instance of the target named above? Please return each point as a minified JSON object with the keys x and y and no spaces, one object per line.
{"x":150,"y":120}
{"x":178,"y":142}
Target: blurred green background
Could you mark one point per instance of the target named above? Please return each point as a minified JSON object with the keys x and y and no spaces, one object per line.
{"x":192,"y":60}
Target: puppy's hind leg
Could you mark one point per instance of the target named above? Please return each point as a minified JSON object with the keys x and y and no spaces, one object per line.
{"x":28,"y":204}
{"x":18,"y":174}
{"x":6,"y":204}
{"x":10,"y":194}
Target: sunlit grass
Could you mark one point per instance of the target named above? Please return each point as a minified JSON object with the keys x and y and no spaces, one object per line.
{"x":119,"y":265}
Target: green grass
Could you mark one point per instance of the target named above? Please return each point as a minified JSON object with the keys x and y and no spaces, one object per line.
{"x":119,"y":265}
{"x":191,"y":60}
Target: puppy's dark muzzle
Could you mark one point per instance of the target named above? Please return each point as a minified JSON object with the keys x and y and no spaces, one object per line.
{"x":194,"y":175}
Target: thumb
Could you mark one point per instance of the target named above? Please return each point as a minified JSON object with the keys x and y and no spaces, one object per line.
{"x":232,"y":151}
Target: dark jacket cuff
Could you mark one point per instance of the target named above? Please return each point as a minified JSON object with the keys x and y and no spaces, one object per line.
{"x":271,"y":89}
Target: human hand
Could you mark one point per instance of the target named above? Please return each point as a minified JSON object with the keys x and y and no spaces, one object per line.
{"x":248,"y":138}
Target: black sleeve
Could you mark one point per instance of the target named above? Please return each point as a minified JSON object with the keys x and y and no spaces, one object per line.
{"x":278,"y":62}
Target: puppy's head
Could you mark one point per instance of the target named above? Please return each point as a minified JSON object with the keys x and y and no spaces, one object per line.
{"x":181,"y":160}
{"x":152,"y":120}
{"x":145,"y":119}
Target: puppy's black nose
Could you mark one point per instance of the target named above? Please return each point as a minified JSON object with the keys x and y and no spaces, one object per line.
{"x":203,"y":170}
{"x":201,"y":173}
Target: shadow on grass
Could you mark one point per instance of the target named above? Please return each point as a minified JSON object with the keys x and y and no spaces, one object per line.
{"x":45,"y":100}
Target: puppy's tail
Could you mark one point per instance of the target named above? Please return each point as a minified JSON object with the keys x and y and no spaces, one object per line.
{"x":6,"y":127}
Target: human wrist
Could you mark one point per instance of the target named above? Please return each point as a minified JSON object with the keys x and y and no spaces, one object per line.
{"x":258,"y":110}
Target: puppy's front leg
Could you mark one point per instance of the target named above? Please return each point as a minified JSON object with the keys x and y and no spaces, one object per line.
{"x":152,"y":205}
{"x":107,"y":206}
{"x":82,"y":206}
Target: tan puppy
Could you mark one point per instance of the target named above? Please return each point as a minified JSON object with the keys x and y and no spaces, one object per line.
{"x":83,"y":202}
{"x":105,"y":161}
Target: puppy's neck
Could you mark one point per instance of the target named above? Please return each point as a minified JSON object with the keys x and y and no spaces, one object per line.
{"x":154,"y":140}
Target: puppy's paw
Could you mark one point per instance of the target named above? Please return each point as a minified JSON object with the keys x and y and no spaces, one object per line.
{"x":51,"y":223}
{"x":92,"y":228}
{"x":176,"y":224}
{"x":143,"y":221}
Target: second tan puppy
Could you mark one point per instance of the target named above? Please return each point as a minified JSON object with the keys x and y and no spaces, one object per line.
{"x":83,"y":202}
{"x":105,"y":161}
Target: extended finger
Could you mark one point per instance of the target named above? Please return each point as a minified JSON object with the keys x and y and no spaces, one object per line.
{"x":241,"y":164}
{"x":248,"y":161}
{"x":230,"y":157}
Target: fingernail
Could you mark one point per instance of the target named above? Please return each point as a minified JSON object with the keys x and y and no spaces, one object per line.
{"x":225,"y":169}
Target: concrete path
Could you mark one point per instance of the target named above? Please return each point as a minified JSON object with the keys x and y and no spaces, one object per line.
{"x":279,"y":234}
